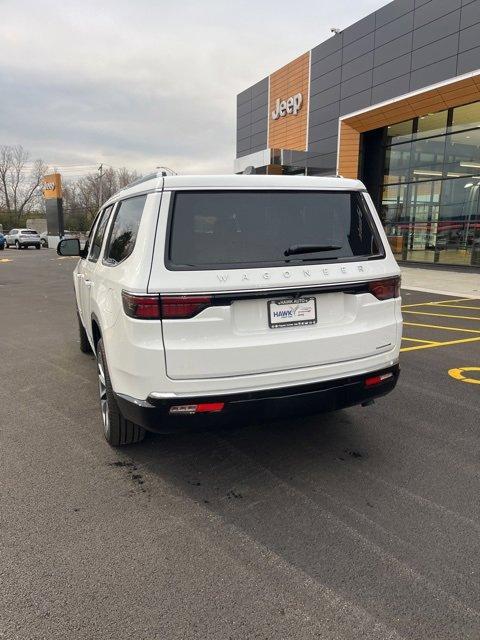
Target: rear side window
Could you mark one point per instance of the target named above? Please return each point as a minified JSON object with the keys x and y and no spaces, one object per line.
{"x":123,"y":234}
{"x":235,"y":229}
{"x":99,"y":234}
{"x":28,"y":232}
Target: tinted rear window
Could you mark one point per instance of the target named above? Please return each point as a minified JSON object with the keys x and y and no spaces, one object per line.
{"x":234,"y":229}
{"x":28,"y":232}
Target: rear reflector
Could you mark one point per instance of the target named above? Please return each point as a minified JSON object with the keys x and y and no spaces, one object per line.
{"x":203,"y":407}
{"x":178,"y":307}
{"x":140,"y":306}
{"x":374,"y":380}
{"x":385,"y":289}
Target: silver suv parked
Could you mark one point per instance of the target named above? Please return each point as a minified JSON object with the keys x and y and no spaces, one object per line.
{"x":21,"y":238}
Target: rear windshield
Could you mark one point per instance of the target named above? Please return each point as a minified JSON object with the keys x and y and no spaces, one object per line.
{"x":28,"y":232}
{"x":234,"y":229}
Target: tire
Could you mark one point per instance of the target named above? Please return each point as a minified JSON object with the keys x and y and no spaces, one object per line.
{"x":3,"y":247}
{"x":38,"y":246}
{"x":44,"y":243}
{"x":117,"y":430}
{"x":84,"y":343}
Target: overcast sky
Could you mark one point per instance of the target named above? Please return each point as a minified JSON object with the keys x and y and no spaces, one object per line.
{"x":142,"y":83}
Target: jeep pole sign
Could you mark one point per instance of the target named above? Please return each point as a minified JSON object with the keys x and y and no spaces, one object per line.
{"x":290,"y":105}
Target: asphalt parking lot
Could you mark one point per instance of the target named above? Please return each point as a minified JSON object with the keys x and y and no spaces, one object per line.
{"x":359,"y":524}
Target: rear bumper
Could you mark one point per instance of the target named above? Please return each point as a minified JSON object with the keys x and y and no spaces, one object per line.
{"x":258,"y":406}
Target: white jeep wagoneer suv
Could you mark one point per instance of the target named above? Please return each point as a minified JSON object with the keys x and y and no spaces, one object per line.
{"x":205,"y":298}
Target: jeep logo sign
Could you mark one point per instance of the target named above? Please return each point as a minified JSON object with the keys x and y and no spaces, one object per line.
{"x":290,"y":105}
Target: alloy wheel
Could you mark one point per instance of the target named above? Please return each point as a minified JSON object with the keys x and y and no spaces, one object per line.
{"x":103,"y":398}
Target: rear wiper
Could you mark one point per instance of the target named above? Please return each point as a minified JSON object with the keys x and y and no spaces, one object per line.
{"x":310,"y":248}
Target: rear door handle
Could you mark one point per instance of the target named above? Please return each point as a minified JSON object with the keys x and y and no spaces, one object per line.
{"x":79,"y":275}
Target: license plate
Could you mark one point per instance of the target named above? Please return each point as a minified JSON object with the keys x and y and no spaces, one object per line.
{"x":291,"y":313}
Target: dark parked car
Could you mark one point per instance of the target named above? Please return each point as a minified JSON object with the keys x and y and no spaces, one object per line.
{"x":3,"y":242}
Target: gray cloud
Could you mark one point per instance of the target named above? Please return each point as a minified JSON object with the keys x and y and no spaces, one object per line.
{"x":145,"y":83}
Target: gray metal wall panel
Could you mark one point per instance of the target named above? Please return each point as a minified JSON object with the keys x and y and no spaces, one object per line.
{"x":324,"y":114}
{"x":392,"y":69}
{"x":469,"y":38}
{"x":259,"y":127}
{"x":259,"y":87}
{"x":357,"y":66}
{"x":434,"y":9}
{"x":392,"y":50}
{"x":328,"y":47}
{"x":439,"y":50}
{"x":468,"y":61}
{"x":433,"y":73}
{"x":358,"y":48}
{"x":436,"y":30}
{"x":356,"y":84}
{"x":359,"y":29}
{"x":327,"y":145}
{"x":393,"y":10}
{"x":245,"y":120}
{"x":326,"y":81}
{"x":325,"y":129}
{"x":356,"y":102}
{"x":252,"y":110}
{"x":259,"y":101}
{"x":260,"y":114}
{"x":325,"y":65}
{"x":391,"y":89}
{"x":470,"y":14}
{"x":394,"y":29}
{"x":245,"y":96}
{"x":244,"y":109}
{"x":323,"y":98}
{"x":259,"y":139}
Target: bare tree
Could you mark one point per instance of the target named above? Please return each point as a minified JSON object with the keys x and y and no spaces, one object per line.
{"x":19,"y":185}
{"x":81,"y":196}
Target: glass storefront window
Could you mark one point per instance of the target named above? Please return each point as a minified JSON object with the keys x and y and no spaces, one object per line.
{"x":466,"y":117}
{"x":463,"y":153}
{"x":427,"y":159}
{"x":433,"y":124}
{"x":431,"y":187}
{"x":397,"y":163}
{"x":399,"y":132}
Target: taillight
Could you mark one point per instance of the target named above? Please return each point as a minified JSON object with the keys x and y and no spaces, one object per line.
{"x":156,"y":307}
{"x":177,"y":307}
{"x":140,"y":306}
{"x":385,"y":289}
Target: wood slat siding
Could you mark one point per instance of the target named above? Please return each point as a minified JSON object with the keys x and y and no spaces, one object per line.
{"x":290,"y":132}
{"x":454,"y":94}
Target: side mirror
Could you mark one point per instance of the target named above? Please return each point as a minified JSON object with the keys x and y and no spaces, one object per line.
{"x":69,"y":247}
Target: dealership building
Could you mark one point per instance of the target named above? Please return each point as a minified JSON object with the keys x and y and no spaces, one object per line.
{"x":394,"y":100}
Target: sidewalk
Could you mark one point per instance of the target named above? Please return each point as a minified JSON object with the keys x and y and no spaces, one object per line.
{"x":455,"y":283}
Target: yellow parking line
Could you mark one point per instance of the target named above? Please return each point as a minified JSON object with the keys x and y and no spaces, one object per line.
{"x":418,"y":340}
{"x":455,"y":306}
{"x":440,"y":344}
{"x":437,"y":302}
{"x":436,"y":326}
{"x":454,"y":300}
{"x":441,"y":315}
